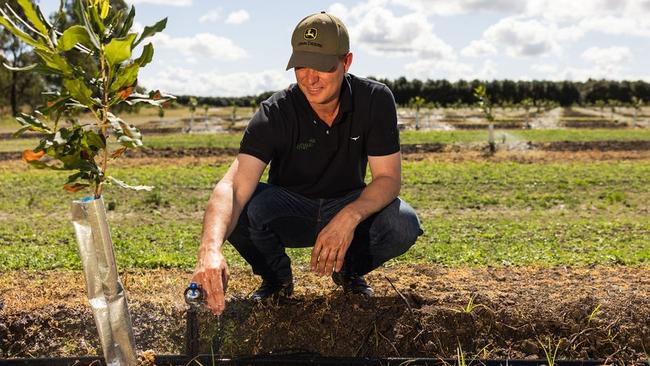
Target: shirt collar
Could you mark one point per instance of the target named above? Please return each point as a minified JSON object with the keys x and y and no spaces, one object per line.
{"x":345,"y":98}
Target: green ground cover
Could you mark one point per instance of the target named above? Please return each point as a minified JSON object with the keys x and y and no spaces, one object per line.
{"x":474,"y":213}
{"x":407,"y":137}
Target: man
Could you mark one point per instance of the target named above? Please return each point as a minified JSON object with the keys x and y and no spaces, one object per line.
{"x":318,"y":135}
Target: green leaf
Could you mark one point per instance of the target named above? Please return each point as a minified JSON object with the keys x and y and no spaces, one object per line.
{"x":21,"y":131}
{"x":32,"y":124}
{"x":147,"y":55}
{"x":119,"y":49}
{"x":105,"y":8}
{"x":72,"y":36}
{"x":79,"y":90}
{"x":33,"y":16}
{"x":126,"y":77}
{"x":128,"y":23}
{"x":93,"y":141}
{"x":95,"y":17}
{"x":54,"y":105}
{"x":55,"y":61}
{"x":80,"y":11}
{"x":151,"y":30}
{"x":22,"y":35}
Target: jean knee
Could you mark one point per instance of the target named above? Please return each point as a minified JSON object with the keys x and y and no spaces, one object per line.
{"x":396,"y":228}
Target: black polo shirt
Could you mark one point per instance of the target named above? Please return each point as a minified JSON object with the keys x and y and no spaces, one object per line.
{"x":309,"y":157}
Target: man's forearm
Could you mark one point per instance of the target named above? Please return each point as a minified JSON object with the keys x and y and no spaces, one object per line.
{"x":377,"y":195}
{"x":219,"y":218}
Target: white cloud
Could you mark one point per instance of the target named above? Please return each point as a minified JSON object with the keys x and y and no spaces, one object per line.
{"x":439,"y":69}
{"x":201,"y":45}
{"x":625,"y":17}
{"x":547,"y":69}
{"x":238,"y":17}
{"x":480,"y":48}
{"x":530,"y":37}
{"x":446,"y":7}
{"x":617,"y":26}
{"x":181,"y":81}
{"x":410,"y":35}
{"x":608,"y":57}
{"x":162,"y":2}
{"x":210,"y":17}
{"x":488,"y":71}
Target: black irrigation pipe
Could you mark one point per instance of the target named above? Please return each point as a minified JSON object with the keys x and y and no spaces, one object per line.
{"x":298,"y":359}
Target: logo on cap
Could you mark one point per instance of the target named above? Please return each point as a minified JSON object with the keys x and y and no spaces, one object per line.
{"x":310,"y":33}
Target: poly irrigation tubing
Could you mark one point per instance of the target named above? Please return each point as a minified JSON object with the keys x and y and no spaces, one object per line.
{"x":297,"y":359}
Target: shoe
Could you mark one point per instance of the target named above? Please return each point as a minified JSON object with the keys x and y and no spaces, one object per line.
{"x":353,"y":283}
{"x":272,"y":289}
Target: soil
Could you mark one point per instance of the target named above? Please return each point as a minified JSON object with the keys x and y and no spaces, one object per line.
{"x":418,"y":311}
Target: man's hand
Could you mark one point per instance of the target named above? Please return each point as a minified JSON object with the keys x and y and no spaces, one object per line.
{"x":332,"y":243}
{"x":212,"y":275}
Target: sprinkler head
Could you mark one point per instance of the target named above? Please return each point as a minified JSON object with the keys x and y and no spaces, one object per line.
{"x":194,"y":294}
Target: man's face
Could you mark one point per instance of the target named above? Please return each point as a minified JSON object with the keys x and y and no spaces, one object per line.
{"x":322,"y":87}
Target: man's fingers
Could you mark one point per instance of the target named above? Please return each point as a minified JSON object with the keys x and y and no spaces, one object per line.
{"x":331,"y":262}
{"x":322,"y":259}
{"x":339,"y":260}
{"x":315,"y":253}
{"x":215,"y":295}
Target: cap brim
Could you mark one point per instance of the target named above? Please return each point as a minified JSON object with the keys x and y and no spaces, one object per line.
{"x":316,"y":61}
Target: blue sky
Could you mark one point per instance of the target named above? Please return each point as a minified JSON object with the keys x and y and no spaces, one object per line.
{"x":234,"y":48}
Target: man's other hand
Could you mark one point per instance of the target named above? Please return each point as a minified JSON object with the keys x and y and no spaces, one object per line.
{"x":332,"y":243}
{"x":212,"y":275}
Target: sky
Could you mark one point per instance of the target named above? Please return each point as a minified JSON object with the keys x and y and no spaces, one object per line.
{"x":241,"y":47}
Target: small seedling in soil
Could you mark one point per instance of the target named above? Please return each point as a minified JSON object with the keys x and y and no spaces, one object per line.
{"x":550,"y":350}
{"x":471,"y":306}
{"x":593,"y":313}
{"x":460,"y":355}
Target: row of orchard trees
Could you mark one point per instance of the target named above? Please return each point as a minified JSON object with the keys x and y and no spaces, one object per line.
{"x":505,"y":93}
{"x":508,"y":92}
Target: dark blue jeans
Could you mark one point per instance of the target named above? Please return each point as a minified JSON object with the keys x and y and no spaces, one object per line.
{"x":276,"y":218}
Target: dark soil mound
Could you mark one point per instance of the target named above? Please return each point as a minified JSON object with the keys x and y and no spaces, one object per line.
{"x":419,"y":311}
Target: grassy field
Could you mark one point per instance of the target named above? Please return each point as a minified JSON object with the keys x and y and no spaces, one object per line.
{"x":473,"y":213}
{"x":407,"y":137}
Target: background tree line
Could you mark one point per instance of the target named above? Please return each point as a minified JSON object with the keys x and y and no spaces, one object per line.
{"x":444,"y":93}
{"x":19,"y":89}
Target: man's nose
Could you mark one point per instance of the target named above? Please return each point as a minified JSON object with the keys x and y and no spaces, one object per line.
{"x":312,"y":76}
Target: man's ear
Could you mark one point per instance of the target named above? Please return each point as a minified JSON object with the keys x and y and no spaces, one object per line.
{"x":347,"y":61}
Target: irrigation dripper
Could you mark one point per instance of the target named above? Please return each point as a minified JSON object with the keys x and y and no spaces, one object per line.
{"x":194,"y":295}
{"x":194,"y":298}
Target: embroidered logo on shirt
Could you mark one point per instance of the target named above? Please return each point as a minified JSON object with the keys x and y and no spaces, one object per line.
{"x":355,"y":138}
{"x":307,"y":145}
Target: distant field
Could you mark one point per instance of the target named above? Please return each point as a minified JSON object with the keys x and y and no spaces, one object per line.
{"x":407,"y":137}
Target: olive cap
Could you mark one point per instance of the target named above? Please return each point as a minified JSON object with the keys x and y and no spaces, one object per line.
{"x":318,"y":42}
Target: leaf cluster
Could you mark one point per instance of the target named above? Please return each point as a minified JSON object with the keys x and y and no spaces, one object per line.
{"x":108,"y":76}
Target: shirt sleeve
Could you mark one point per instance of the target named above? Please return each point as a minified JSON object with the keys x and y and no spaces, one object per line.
{"x":258,"y":138}
{"x":383,"y":135}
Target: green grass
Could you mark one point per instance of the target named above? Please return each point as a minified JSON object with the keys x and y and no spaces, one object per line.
{"x":223,"y":140}
{"x":473,"y":213}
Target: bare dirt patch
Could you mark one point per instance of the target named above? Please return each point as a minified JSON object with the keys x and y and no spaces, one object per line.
{"x":198,"y":155}
{"x":595,"y":313}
